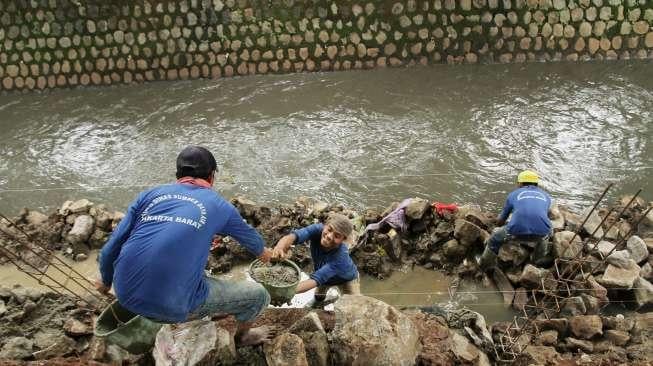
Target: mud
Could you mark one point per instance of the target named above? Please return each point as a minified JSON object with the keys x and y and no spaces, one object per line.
{"x":277,"y":274}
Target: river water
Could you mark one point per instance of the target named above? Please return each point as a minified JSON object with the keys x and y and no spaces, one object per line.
{"x":363,"y":138}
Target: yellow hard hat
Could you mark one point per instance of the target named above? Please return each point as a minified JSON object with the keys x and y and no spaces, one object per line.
{"x":528,"y":176}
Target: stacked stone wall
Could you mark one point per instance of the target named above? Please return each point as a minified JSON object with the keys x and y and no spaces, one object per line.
{"x":66,"y":43}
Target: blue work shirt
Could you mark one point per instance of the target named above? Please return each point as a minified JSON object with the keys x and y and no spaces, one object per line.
{"x":529,"y":206}
{"x":332,"y":267}
{"x":156,"y":256}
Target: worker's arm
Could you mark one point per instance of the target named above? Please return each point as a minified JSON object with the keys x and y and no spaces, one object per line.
{"x":507,"y":209}
{"x":283,"y":245}
{"x":246,"y":236}
{"x":306,"y":285}
{"x":111,"y":249}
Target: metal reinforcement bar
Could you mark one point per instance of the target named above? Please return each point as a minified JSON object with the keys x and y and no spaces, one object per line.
{"x":547,"y":298}
{"x":83,"y":291}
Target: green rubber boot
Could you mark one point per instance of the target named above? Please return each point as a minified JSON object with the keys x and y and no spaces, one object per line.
{"x":488,"y":260}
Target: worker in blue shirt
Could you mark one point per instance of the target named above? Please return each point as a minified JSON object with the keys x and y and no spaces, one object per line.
{"x":331,"y":261}
{"x":155,"y":258}
{"x":529,"y":206}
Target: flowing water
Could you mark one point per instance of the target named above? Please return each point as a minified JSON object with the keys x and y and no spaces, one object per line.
{"x":452,"y":134}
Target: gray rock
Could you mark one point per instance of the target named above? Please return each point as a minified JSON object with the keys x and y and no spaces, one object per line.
{"x":547,"y":338}
{"x":454,"y":251}
{"x":59,"y":347}
{"x":578,"y":344}
{"x":504,"y":286}
{"x":285,"y":349}
{"x":617,"y":337}
{"x":80,"y":206}
{"x":541,"y":355}
{"x":532,"y":276}
{"x":560,"y":325}
{"x":465,"y":351}
{"x":593,"y":224}
{"x":466,"y":232}
{"x":81,"y":230}
{"x":637,"y":249}
{"x":513,"y":253}
{"x":586,"y":326}
{"x":563,"y":248}
{"x":646,"y":272}
{"x":194,"y":342}
{"x":35,"y":218}
{"x":573,"y":306}
{"x":21,"y":294}
{"x":75,"y":327}
{"x":620,"y":258}
{"x":370,"y":332}
{"x":557,"y":218}
{"x":16,"y":348}
{"x":417,"y":208}
{"x":316,"y":345}
{"x":605,"y":247}
{"x":3,"y":308}
{"x":643,"y":291}
{"x":618,"y":322}
{"x":98,"y":238}
{"x":616,"y":277}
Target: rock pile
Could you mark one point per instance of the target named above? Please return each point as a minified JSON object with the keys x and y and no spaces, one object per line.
{"x":75,"y":228}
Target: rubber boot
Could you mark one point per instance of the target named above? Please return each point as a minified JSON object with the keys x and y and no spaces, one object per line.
{"x":488,"y":260}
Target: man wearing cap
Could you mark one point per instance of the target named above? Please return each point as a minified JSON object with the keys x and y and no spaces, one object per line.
{"x":155,"y":258}
{"x":331,"y":261}
{"x":529,"y":206}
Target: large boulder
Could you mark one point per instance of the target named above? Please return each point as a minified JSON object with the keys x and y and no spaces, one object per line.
{"x":593,"y":223}
{"x":80,"y":206}
{"x":645,"y":228}
{"x":81,"y":230}
{"x":563,"y":247}
{"x":637,"y":249}
{"x":586,"y":326}
{"x":619,"y":258}
{"x":643,"y":291}
{"x":465,"y":351}
{"x":16,"y":348}
{"x":287,"y":349}
{"x":532,"y":277}
{"x":417,"y":208}
{"x":468,"y":232}
{"x":513,"y":253}
{"x":316,"y":344}
{"x":504,"y":286}
{"x":35,"y":218}
{"x":193,"y":343}
{"x":370,"y":332}
{"x":605,"y":248}
{"x":557,"y":218}
{"x":540,"y":355}
{"x":617,"y":277}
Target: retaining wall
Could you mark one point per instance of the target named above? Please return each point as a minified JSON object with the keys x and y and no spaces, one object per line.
{"x":65,"y":43}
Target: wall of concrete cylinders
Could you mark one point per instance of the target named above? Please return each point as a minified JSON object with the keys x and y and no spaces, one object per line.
{"x":67,"y":43}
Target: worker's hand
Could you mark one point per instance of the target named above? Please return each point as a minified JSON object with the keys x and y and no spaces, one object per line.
{"x":266,"y":256}
{"x":278,"y":253}
{"x":100,"y":287}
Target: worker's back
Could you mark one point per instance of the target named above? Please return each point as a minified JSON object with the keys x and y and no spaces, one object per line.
{"x":159,"y":272}
{"x":530,"y":207}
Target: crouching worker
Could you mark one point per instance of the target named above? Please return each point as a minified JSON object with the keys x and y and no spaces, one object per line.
{"x":530,"y":222}
{"x":331,"y":261}
{"x":156,"y":256}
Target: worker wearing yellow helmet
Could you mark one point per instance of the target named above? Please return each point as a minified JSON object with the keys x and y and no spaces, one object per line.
{"x":529,"y":206}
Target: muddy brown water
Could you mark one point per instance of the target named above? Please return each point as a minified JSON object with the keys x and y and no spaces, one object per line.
{"x":365,"y":139}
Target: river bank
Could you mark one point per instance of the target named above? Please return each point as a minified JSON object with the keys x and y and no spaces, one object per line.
{"x":442,"y":241}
